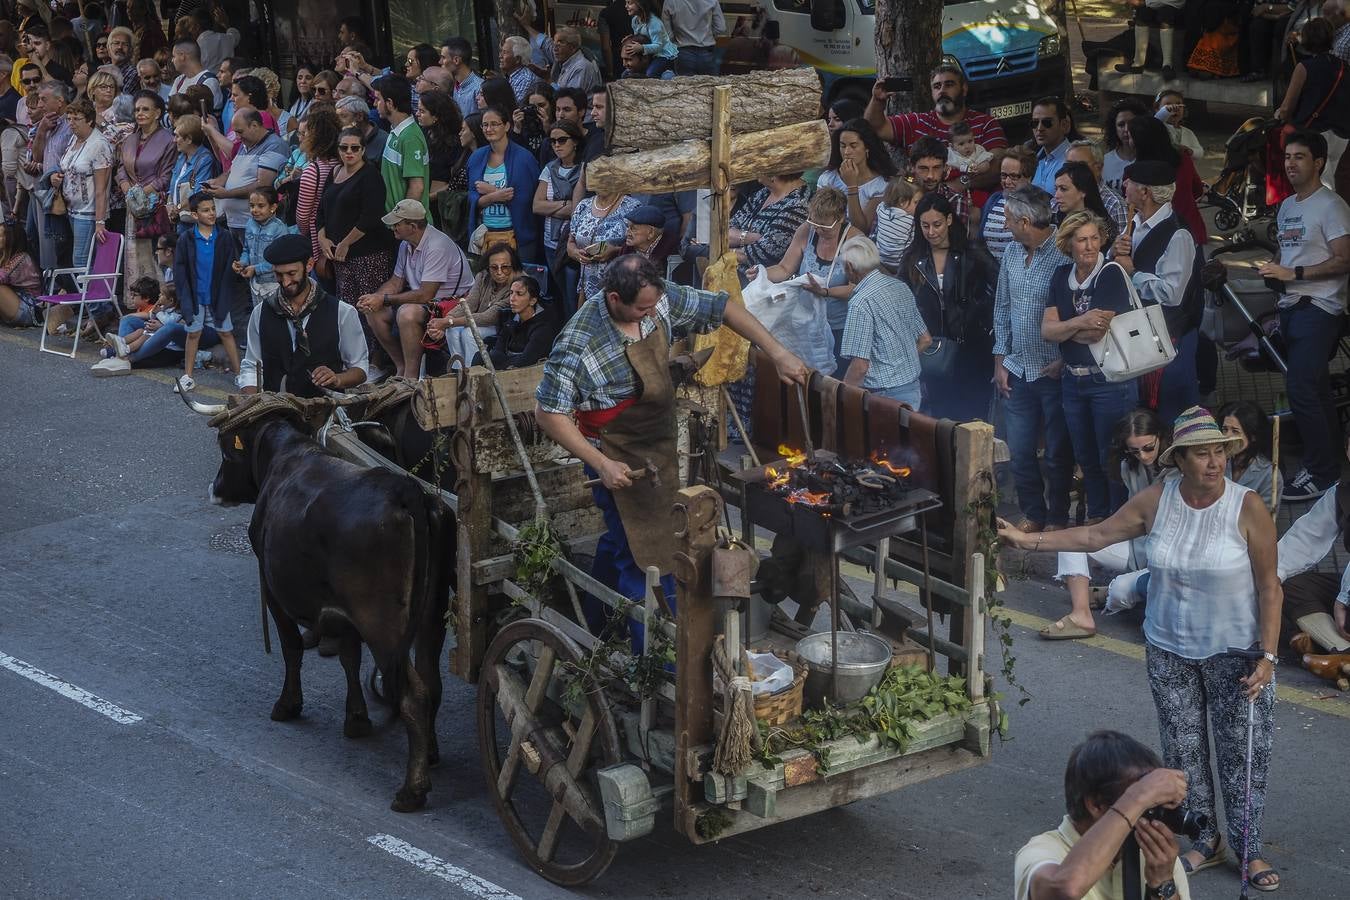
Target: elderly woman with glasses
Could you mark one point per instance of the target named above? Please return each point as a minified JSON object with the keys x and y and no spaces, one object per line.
{"x":1014,"y":171}
{"x":350,"y":232}
{"x":1212,"y":588}
{"x":487,"y":302}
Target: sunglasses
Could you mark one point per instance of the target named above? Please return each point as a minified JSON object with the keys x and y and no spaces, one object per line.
{"x":349,"y":148}
{"x":31,"y":81}
{"x":561,"y":140}
{"x":1046,"y":122}
{"x":1140,"y":451}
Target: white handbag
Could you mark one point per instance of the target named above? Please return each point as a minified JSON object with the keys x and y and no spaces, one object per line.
{"x":1137,"y":342}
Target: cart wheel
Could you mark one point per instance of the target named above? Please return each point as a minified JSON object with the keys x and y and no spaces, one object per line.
{"x":539,"y":757}
{"x":1227,"y":220}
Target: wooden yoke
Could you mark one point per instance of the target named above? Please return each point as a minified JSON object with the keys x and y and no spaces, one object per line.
{"x":695,"y":524}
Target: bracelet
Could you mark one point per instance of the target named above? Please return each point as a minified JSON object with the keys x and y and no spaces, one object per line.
{"x":1037,"y":548}
{"x":1123,"y":816}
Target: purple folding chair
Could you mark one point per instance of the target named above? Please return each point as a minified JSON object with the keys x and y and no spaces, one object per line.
{"x":96,"y":282}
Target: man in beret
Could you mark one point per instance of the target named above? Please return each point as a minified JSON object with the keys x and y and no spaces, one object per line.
{"x":647,"y":234}
{"x":302,"y":336}
{"x":1163,"y":263}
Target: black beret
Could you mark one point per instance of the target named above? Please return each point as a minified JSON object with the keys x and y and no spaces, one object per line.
{"x":1150,"y":172}
{"x":289,"y":248}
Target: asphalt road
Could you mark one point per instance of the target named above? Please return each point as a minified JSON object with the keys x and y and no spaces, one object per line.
{"x":118,"y":578}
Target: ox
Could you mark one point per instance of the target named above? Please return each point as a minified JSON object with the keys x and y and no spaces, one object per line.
{"x":356,"y":552}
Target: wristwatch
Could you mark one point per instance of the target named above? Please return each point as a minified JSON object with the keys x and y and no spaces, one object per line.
{"x":1298,"y":273}
{"x":1164,"y":891}
{"x":1270,"y":658}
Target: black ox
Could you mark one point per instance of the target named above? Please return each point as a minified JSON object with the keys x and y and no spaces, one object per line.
{"x":354,"y":552}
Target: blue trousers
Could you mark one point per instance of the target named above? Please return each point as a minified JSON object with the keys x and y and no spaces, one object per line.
{"x":696,"y":61}
{"x":1180,"y":388}
{"x":1092,"y":408}
{"x":1311,"y":334}
{"x":1035,"y":411}
{"x":615,"y":567}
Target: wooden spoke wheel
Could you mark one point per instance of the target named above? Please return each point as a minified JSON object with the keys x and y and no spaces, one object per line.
{"x":539,"y":756}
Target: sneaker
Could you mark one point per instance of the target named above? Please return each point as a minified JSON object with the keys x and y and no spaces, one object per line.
{"x":1169,"y":73}
{"x":109,"y":367}
{"x":1127,"y":69}
{"x":1299,"y":479}
{"x":185,"y":381}
{"x":1310,"y":489}
{"x":118,"y":345}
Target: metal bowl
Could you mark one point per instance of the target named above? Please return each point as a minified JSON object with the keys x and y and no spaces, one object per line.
{"x":863,"y":659}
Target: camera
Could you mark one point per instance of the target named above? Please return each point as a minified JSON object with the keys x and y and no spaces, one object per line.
{"x":1180,"y":821}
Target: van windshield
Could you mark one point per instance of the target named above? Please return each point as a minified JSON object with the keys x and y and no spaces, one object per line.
{"x":869,"y":7}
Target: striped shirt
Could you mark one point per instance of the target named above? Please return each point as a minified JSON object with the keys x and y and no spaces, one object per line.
{"x":884,"y":327}
{"x":894,"y":232}
{"x":909,"y":127}
{"x":1019,"y":306}
{"x":994,"y":227}
{"x":588,"y":368}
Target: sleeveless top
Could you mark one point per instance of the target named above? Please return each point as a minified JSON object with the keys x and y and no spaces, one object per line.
{"x":809,"y":334}
{"x":830,"y":274}
{"x":1201,"y":593}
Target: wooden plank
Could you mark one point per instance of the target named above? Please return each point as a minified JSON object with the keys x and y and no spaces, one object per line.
{"x":829,"y":793}
{"x":474,"y":524}
{"x":700,"y":510}
{"x":719,"y":176}
{"x":974,"y":480}
{"x":494,"y":451}
{"x":494,"y":568}
{"x":976,"y":631}
{"x":564,"y":486}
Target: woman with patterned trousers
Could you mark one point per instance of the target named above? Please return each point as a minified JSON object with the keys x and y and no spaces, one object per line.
{"x":1212,"y":586}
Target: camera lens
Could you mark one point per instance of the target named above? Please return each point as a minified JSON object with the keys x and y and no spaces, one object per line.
{"x":1191,"y":824}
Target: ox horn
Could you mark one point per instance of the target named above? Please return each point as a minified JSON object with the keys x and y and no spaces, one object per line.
{"x":206,"y":409}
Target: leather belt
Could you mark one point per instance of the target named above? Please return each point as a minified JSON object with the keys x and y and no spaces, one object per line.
{"x":1082,"y":371}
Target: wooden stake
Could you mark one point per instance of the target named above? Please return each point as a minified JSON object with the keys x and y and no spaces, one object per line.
{"x":721,"y":172}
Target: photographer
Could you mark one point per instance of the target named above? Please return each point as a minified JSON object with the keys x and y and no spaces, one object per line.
{"x":1110,"y":783}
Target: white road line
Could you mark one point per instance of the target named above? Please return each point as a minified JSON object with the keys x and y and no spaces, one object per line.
{"x":66,"y":689}
{"x":460,"y":878}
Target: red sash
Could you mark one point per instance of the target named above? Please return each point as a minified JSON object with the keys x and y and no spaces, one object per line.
{"x":590,"y":421}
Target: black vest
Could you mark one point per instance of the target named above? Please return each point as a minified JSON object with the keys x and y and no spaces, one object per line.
{"x":1184,"y":317}
{"x":280,"y":359}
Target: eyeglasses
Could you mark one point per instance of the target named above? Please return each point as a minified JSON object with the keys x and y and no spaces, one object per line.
{"x":486,"y":125}
{"x":1011,"y":176}
{"x":349,"y":148}
{"x":1046,"y":122}
{"x":1140,"y":451}
{"x":499,"y":267}
{"x":561,"y":140}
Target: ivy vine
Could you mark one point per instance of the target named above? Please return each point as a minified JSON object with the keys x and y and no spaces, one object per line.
{"x":986,"y":542}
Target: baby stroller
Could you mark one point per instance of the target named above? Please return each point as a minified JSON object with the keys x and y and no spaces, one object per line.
{"x":1250,"y":187}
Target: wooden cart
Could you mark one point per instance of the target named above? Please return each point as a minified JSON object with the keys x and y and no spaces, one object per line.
{"x":586,"y":741}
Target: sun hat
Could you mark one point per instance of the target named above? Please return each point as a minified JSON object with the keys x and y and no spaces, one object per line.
{"x":1193,"y":428}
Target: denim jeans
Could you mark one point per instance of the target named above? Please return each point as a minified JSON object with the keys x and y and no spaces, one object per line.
{"x":1180,"y":388}
{"x":1311,"y":334}
{"x":1092,"y":408}
{"x":904,"y":393}
{"x":696,"y":61}
{"x":1036,"y":410}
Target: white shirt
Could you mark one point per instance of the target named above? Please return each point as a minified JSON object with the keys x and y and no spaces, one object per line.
{"x":1052,"y":847}
{"x":1305,"y":230}
{"x":216,"y":46}
{"x":351,"y":344}
{"x":206,"y":77}
{"x":1166,"y":285}
{"x":1309,"y":540}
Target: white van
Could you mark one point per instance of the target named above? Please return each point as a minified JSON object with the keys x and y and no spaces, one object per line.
{"x":1012,"y":52}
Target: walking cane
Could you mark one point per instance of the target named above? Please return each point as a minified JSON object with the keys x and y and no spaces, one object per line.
{"x":1251,"y":655}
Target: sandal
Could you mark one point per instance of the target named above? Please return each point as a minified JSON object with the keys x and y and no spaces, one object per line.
{"x":1266,"y":881}
{"x":1209,"y":857}
{"x":1065,"y":630}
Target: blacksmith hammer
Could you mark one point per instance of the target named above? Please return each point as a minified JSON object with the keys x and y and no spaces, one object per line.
{"x":634,"y":474}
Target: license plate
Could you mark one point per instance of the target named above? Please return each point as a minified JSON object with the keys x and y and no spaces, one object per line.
{"x":1011,"y":110}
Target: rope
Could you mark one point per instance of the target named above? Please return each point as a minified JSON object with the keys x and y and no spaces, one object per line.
{"x":740,"y":734}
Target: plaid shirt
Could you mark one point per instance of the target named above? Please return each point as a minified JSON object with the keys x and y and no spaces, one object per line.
{"x":588,"y":367}
{"x":1115,"y":205}
{"x":1341,"y":47}
{"x":1019,"y":306}
{"x":884,"y":327}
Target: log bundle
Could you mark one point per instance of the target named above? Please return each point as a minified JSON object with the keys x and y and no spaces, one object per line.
{"x":687,"y":164}
{"x":648,"y":113}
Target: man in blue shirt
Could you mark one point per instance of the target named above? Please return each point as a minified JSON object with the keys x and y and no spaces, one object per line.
{"x":1050,"y":126}
{"x":1027,"y":366}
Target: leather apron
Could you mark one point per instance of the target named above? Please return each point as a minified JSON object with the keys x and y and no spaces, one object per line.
{"x":642,"y":433}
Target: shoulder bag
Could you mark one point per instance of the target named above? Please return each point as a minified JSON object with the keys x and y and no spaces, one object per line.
{"x":1137,"y":342}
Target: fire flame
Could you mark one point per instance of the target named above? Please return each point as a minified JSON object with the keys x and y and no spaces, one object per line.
{"x":775,"y":478}
{"x":887,"y":466}
{"x":794,"y":458}
{"x":808,"y":498}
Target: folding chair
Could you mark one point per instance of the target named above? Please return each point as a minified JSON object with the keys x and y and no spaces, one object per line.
{"x":95,"y":282}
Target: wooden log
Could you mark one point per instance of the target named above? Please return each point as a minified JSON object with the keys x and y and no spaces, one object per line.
{"x":646,"y":113}
{"x":687,"y":165}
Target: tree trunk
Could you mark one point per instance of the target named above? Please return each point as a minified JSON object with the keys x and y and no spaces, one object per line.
{"x":909,"y":42}
{"x":646,"y":113}
{"x":688,"y":164}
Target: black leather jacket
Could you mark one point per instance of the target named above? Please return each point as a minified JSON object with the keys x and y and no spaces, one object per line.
{"x":963,"y":308}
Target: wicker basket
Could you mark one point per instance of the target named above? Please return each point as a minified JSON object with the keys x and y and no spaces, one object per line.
{"x":784,"y":706}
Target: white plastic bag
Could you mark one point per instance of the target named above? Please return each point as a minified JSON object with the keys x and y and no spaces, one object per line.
{"x":770,"y":303}
{"x":795,"y":316}
{"x":772,"y":675}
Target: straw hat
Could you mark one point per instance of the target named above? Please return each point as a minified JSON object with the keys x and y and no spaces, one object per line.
{"x":1195,"y":427}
